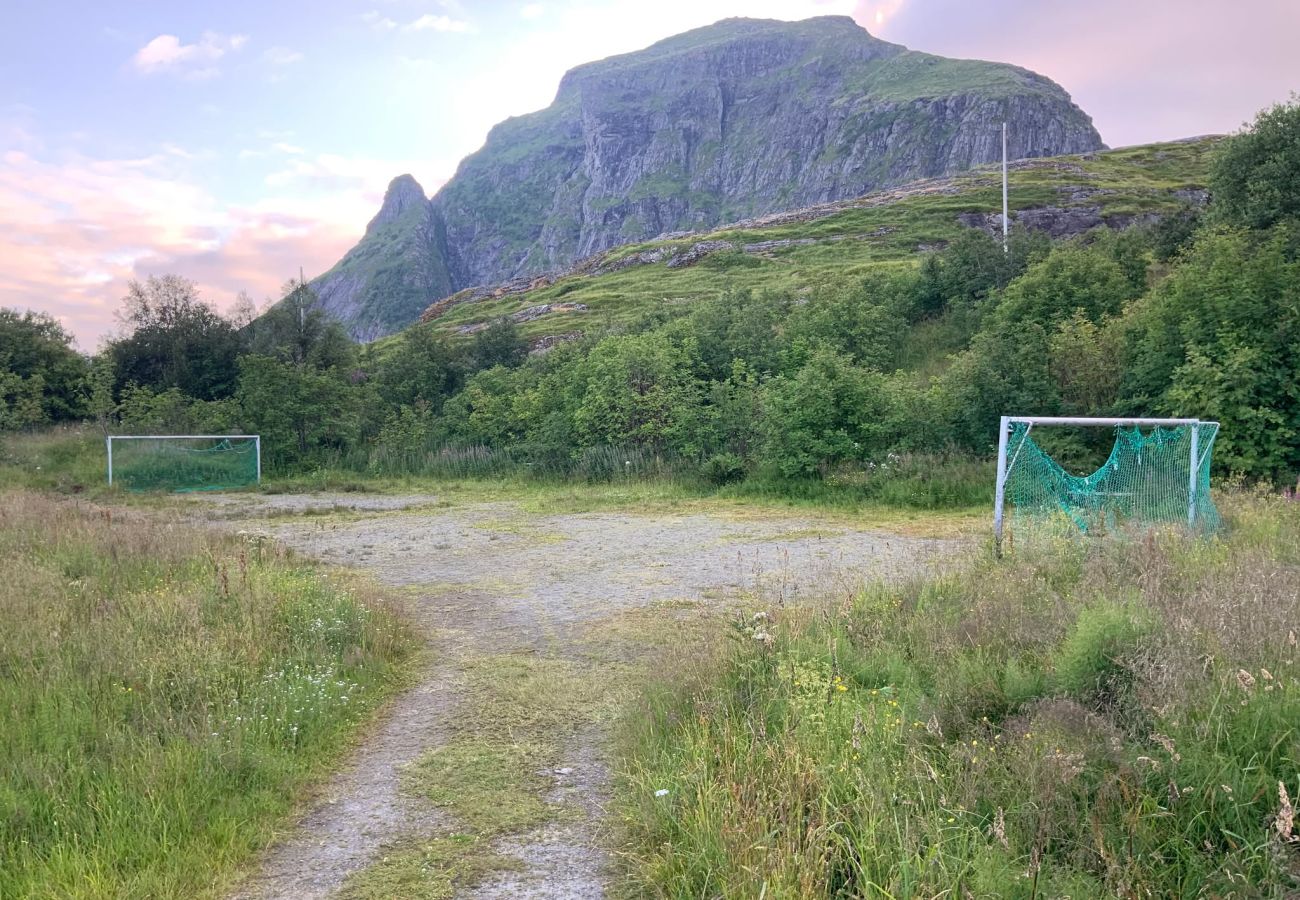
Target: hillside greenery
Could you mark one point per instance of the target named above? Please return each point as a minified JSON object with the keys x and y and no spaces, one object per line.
{"x":853,"y":364}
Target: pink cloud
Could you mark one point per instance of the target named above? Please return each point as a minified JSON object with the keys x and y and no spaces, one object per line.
{"x":73,"y":234}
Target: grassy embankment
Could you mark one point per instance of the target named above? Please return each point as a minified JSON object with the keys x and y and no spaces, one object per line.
{"x":167,"y":694}
{"x":1079,"y":720}
{"x":882,"y":229}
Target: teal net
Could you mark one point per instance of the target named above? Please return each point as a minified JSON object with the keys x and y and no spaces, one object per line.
{"x":184,"y":463}
{"x":1146,"y":481}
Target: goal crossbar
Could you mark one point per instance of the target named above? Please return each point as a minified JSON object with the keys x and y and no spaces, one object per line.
{"x":1004,"y":433}
{"x":255,"y":438}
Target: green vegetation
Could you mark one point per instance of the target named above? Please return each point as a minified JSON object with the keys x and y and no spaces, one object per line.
{"x":847,"y":365}
{"x":166,"y":695}
{"x":1118,"y":719}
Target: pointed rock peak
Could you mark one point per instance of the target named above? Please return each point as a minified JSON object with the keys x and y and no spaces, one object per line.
{"x":403,"y":193}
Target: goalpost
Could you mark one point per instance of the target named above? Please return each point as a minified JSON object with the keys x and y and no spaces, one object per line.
{"x":1158,"y":472}
{"x":184,"y":462}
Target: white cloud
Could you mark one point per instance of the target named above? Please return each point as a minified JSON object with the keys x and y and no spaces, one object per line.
{"x":166,"y":53}
{"x":445,"y":24}
{"x":532,"y":11}
{"x":281,"y":56}
{"x":378,"y":21}
{"x":292,"y":149}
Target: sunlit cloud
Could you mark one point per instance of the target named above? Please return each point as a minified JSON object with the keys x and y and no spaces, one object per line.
{"x":378,"y":21}
{"x":445,"y":24}
{"x":281,"y":56}
{"x":74,"y":231}
{"x":166,"y":53}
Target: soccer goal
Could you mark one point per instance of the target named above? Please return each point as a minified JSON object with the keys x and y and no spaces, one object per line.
{"x":1158,"y":473}
{"x":184,"y":462}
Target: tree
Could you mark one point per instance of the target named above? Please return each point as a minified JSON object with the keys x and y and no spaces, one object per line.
{"x":638,"y":388}
{"x":296,"y":331}
{"x":175,"y":340}
{"x":298,"y":410}
{"x":1255,"y":181}
{"x":42,"y":372}
{"x":826,"y":412}
{"x":421,"y":366}
{"x":500,"y":344}
{"x":1070,"y":279}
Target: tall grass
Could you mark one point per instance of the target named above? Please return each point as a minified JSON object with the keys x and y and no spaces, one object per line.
{"x":164,"y":694}
{"x":1114,"y":719}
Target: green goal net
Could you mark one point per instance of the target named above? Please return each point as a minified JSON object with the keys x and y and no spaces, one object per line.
{"x":184,"y":462}
{"x":1157,"y":473}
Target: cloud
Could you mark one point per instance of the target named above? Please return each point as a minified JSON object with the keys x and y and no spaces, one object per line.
{"x":74,"y":230}
{"x":166,"y":53}
{"x":282,"y":147}
{"x":532,"y":11}
{"x":445,"y":24}
{"x":377,"y":21}
{"x":281,"y":56}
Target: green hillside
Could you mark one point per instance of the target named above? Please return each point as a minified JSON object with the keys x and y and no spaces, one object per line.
{"x":841,"y":241}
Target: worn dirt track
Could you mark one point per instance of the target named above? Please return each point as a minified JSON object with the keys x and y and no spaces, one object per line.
{"x":491,"y":578}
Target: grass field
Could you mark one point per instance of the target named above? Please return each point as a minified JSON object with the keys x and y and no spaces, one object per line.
{"x":165,"y":696}
{"x":1118,"y":719}
{"x":925,"y":491}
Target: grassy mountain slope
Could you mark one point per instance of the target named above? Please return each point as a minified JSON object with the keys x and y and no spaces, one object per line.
{"x":836,"y":242}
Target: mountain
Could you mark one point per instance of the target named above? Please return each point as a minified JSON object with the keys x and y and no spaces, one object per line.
{"x":735,"y":120}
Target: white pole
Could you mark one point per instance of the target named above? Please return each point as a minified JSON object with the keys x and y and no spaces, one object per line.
{"x":109,"y":442}
{"x":1004,"y":426}
{"x":1193,"y":478}
{"x":257,"y":442}
{"x":1005,"y":212}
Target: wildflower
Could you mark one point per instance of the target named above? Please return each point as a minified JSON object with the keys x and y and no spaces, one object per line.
{"x":840,"y":687}
{"x":1245,"y":679}
{"x":662,"y":792}
{"x":1285,"y":821}
{"x":1000,"y":828}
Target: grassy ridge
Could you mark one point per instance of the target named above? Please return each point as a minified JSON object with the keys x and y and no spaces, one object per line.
{"x":165,"y":695}
{"x":1113,"y":720}
{"x":880,"y":229}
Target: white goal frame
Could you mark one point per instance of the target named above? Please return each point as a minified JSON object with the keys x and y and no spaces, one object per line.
{"x":255,"y":438}
{"x":1004,"y":466}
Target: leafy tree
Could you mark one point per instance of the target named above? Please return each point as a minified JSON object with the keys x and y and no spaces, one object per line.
{"x":828,"y":411}
{"x":1084,"y":360}
{"x":1005,"y":370}
{"x":422,"y":366}
{"x":863,"y":322}
{"x":296,"y":331}
{"x":500,"y":344}
{"x":1221,"y":338}
{"x":738,"y":325}
{"x":1255,"y":181}
{"x":41,"y":372}
{"x":298,"y":410}
{"x":1174,"y":233}
{"x":1070,"y":279}
{"x":638,"y":388}
{"x":175,"y":340}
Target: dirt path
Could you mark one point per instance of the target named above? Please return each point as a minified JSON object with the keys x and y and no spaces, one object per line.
{"x":492,"y":578}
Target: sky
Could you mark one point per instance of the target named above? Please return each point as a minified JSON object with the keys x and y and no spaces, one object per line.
{"x":237,"y":143}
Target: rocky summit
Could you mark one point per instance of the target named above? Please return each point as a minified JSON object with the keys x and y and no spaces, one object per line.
{"x":742,"y":118}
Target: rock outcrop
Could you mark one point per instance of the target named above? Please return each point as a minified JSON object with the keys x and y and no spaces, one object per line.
{"x":738,"y":120}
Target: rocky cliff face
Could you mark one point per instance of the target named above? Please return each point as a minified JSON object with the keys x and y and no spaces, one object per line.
{"x":738,"y":119}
